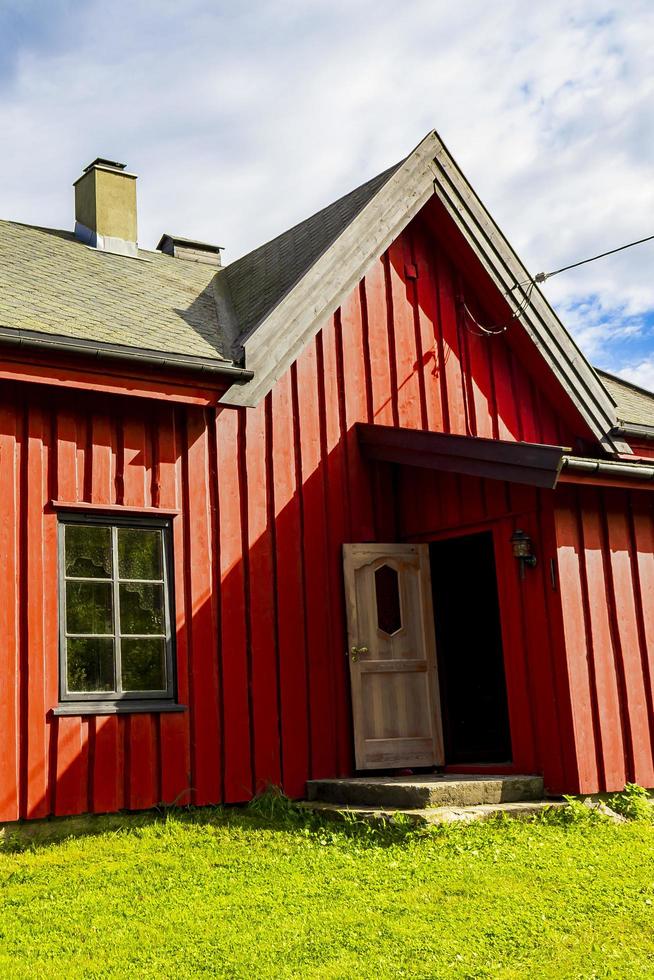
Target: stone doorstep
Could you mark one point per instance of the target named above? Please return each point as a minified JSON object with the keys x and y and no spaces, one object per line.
{"x":430,"y":816}
{"x":415,"y":792}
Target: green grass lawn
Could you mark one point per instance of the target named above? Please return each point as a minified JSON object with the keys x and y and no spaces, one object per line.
{"x":228,"y":893}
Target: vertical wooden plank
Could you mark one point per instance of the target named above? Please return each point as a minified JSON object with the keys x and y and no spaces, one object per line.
{"x":563,"y":717}
{"x":604,"y":665}
{"x":40,"y":662}
{"x":380,"y":367}
{"x":451,"y":499}
{"x":426,"y":297}
{"x":385,"y":501}
{"x":424,"y":497}
{"x":451,"y":358}
{"x":320,"y":651}
{"x":201,"y":538}
{"x":530,"y":428}
{"x":507,"y":414}
{"x":103,"y":465}
{"x":352,"y":379}
{"x":108,"y":764}
{"x":337,"y":494}
{"x":232,"y":512}
{"x":141,"y":730}
{"x":290,"y":611}
{"x":174,"y":728}
{"x":478,"y":379}
{"x":265,"y":714}
{"x":541,"y":646}
{"x":71,"y":759}
{"x":626,"y":639}
{"x":643,"y":559}
{"x":547,"y":421}
{"x":70,"y":790}
{"x":107,"y":755}
{"x":576,"y":644}
{"x":406,"y":357}
{"x":10,"y":506}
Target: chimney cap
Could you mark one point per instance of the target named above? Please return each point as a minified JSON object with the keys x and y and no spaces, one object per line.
{"x":103,"y":162}
{"x":168,"y":242}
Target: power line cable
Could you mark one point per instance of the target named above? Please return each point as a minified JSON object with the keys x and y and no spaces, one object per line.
{"x":539,"y":278}
{"x":542,"y":276}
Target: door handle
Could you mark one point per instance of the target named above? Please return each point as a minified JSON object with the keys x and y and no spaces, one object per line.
{"x":356,"y":652}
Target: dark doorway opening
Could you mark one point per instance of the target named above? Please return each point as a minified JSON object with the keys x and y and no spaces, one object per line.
{"x":469,"y":648}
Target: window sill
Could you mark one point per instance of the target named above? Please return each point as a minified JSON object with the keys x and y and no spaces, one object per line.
{"x":116,"y":708}
{"x":120,"y":509}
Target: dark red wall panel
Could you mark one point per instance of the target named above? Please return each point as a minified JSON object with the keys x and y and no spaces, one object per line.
{"x":605,"y":558}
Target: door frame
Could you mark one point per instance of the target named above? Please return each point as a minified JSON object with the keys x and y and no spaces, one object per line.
{"x":512,"y":598}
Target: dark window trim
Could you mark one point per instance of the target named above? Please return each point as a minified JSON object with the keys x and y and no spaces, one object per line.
{"x":103,"y":702}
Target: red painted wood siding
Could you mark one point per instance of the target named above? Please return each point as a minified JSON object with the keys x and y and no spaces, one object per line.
{"x":605,"y":544}
{"x":266,"y":497}
{"x":99,"y":452}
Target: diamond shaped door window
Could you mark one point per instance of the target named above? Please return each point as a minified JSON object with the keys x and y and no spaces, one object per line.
{"x":387,"y":592}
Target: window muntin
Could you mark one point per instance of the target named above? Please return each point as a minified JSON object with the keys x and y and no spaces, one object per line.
{"x":115,"y":609}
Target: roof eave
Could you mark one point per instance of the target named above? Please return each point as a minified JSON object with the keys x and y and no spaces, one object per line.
{"x":33,"y":340}
{"x":635,"y":430}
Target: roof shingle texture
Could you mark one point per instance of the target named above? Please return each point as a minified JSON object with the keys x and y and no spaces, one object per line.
{"x":51,"y":283}
{"x":634,"y":404}
{"x":260,"y":279}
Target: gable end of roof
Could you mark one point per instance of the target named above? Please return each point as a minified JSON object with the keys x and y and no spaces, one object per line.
{"x":279,"y":337}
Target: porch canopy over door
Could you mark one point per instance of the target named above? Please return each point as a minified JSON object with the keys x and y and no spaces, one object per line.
{"x":516,"y":462}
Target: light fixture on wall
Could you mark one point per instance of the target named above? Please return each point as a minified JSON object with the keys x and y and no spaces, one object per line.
{"x":522,"y":550}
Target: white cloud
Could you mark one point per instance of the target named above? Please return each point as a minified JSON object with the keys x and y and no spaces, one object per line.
{"x":641,"y":373}
{"x":244,"y":119}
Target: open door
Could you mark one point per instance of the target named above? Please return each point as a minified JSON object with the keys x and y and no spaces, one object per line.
{"x":392,"y":654}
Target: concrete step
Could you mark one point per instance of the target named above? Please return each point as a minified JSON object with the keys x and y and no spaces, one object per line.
{"x":420,"y":792}
{"x":520,"y":810}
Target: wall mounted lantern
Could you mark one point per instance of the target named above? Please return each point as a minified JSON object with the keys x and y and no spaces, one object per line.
{"x":523,"y":550}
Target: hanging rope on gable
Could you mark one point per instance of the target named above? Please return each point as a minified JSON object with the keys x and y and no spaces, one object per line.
{"x":540,"y":277}
{"x":484,"y":331}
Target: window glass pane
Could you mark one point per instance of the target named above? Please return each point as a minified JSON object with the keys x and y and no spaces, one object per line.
{"x":387,"y":593}
{"x":143,"y":664}
{"x":141,"y":608}
{"x":88,"y":607}
{"x":88,"y":551}
{"x":90,"y":664}
{"x":139,"y":553}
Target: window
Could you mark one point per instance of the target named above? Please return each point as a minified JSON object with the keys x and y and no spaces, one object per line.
{"x":115,"y":610}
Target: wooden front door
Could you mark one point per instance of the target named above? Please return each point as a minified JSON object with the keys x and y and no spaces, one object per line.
{"x":392,"y":656}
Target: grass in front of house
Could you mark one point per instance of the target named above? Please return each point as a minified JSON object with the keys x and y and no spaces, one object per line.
{"x":234,"y":893}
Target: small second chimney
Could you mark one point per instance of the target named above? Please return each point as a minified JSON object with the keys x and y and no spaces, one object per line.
{"x":105,"y":207}
{"x":190,"y":250}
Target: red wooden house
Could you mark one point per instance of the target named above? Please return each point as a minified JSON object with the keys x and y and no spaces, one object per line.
{"x":186,"y":448}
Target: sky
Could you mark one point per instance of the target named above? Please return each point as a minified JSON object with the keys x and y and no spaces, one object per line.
{"x":243,"y":118}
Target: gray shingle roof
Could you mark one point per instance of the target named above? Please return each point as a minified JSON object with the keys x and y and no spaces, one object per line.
{"x":634,"y":404}
{"x":52,"y":284}
{"x":260,"y":279}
